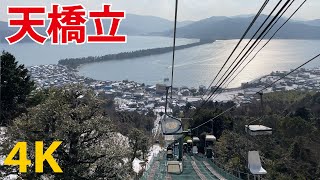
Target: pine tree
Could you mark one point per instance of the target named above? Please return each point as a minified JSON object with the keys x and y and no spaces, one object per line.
{"x":16,"y":85}
{"x":91,"y":147}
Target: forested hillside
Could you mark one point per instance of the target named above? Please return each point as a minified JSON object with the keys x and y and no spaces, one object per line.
{"x":97,"y":142}
{"x":222,"y":28}
{"x":291,"y":152}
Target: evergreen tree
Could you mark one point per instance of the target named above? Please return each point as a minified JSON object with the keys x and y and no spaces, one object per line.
{"x":91,"y":148}
{"x":138,"y":142}
{"x":16,"y":85}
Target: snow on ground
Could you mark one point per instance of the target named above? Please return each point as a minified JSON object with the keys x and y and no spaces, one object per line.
{"x":293,"y":87}
{"x":11,"y":177}
{"x":154,"y":151}
{"x":226,"y":96}
{"x":121,"y":140}
{"x":191,"y":98}
{"x":2,"y":137}
{"x":155,"y":130}
{"x":162,"y":109}
{"x":136,"y":165}
{"x":2,"y":133}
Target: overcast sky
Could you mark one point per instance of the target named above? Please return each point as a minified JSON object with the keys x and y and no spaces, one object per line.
{"x":188,"y":9}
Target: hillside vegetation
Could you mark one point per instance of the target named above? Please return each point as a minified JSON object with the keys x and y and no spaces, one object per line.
{"x":291,"y":152}
{"x":97,"y":141}
{"x":222,"y":28}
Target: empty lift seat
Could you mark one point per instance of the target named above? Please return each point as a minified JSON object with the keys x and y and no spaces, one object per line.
{"x":169,"y":154}
{"x":195,"y":143}
{"x":189,"y":146}
{"x":174,"y":167}
{"x":195,"y":150}
{"x":254,"y":163}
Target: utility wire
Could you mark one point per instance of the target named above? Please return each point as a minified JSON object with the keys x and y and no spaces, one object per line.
{"x":268,"y":40}
{"x":264,"y":22}
{"x":214,"y":117}
{"x":260,"y":39}
{"x":269,"y":85}
{"x":174,"y":44}
{"x":290,"y":72}
{"x":243,"y":36}
{"x":270,"y":23}
{"x":173,"y":59}
{"x":261,"y":47}
{"x":217,"y":87}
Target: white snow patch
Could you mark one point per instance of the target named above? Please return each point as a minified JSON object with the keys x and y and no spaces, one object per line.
{"x":155,"y":130}
{"x":2,"y":138}
{"x":154,"y":151}
{"x":11,"y":177}
{"x":226,"y":96}
{"x":3,"y":131}
{"x":136,"y":165}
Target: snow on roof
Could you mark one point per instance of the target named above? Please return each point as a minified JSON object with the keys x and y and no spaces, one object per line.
{"x":192,"y":99}
{"x":162,"y":109}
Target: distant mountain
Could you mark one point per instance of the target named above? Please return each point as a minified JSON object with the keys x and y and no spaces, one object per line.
{"x":243,"y":16}
{"x":148,"y":24}
{"x":184,"y":23}
{"x":4,"y":31}
{"x":233,"y":27}
{"x":315,"y":22}
{"x":216,"y":27}
{"x":132,"y":25}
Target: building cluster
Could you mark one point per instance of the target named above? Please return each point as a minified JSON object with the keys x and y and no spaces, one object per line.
{"x":54,"y":75}
{"x":302,"y":80}
{"x":127,"y":95}
{"x":133,"y":96}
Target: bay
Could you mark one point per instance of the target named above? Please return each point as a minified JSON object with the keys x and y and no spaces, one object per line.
{"x":32,"y":54}
{"x":198,"y":65}
{"x":193,"y":66}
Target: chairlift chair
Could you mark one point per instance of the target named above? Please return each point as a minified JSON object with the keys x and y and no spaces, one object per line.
{"x":254,"y":164}
{"x":169,"y":153}
{"x":189,"y":145}
{"x":209,"y":140}
{"x":257,"y":130}
{"x":185,"y":147}
{"x":195,"y":143}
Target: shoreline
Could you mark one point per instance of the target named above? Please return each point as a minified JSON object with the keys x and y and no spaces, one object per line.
{"x":304,"y":75}
{"x":128,"y":94}
{"x":77,"y":62}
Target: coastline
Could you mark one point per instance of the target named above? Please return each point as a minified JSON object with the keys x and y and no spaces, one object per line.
{"x":76,"y":62}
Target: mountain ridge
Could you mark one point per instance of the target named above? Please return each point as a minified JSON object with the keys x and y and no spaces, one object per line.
{"x":233,"y":27}
{"x":215,"y":27}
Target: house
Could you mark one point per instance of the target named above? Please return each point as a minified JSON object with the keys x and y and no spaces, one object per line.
{"x":161,"y":88}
